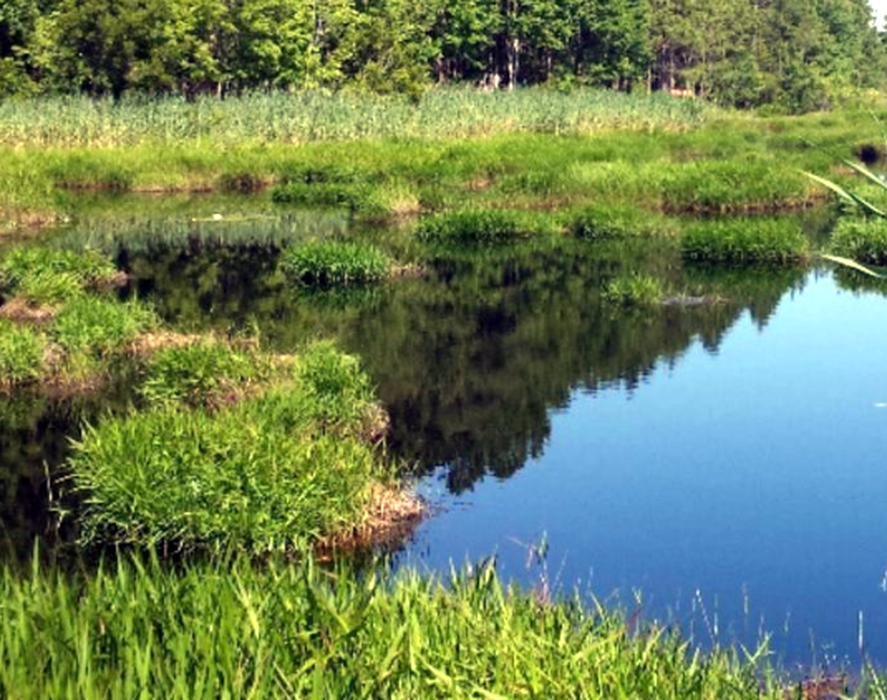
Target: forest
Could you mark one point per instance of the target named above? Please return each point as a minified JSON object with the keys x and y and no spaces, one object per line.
{"x":793,"y":55}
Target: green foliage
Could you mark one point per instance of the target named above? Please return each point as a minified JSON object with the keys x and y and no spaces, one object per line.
{"x":745,"y":241}
{"x":21,"y":354}
{"x":484,"y":227}
{"x":271,"y":472}
{"x":201,"y":373}
{"x":95,"y":326}
{"x":332,"y":263}
{"x":45,"y":287}
{"x":604,"y":223}
{"x":209,"y":630}
{"x":336,"y":385}
{"x":864,"y":240}
{"x":41,"y":267}
{"x":634,"y":290}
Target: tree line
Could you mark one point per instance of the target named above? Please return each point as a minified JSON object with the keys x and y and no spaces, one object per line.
{"x":800,"y":54}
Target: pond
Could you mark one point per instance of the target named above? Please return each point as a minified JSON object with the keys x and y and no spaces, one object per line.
{"x":720,"y":466}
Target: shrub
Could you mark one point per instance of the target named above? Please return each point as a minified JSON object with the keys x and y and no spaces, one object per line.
{"x":864,"y":240}
{"x":21,"y":354}
{"x":94,"y":325}
{"x":484,"y":226}
{"x":745,"y":241}
{"x":330,"y":263}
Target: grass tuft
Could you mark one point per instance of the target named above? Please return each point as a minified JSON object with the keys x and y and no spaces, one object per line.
{"x":331,"y":263}
{"x":275,"y":471}
{"x":21,"y":354}
{"x":95,"y":326}
{"x":484,"y":227}
{"x":634,"y":290}
{"x":863,"y":240}
{"x":745,"y":241}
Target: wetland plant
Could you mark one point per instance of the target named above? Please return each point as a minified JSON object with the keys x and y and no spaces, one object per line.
{"x":227,"y":628}
{"x":276,"y":470}
{"x":202,"y":373}
{"x":22,"y":352}
{"x":333,"y":263}
{"x":634,"y":290}
{"x":739,"y":241}
{"x":97,"y":326}
{"x":24,"y":264}
{"x":864,"y":240}
{"x":484,"y":227}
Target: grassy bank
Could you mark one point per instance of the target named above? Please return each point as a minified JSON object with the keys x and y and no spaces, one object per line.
{"x":287,"y":630}
{"x":653,"y":154}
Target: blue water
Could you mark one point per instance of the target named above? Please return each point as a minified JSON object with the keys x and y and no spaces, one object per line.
{"x":731,"y":491}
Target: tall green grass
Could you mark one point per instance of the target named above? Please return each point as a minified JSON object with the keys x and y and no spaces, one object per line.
{"x":21,"y":354}
{"x":333,"y":263}
{"x":745,"y":240}
{"x":485,"y":227}
{"x":864,"y":240}
{"x":274,"y":471}
{"x":42,"y":275}
{"x":317,"y":115}
{"x":230,"y":629}
{"x":97,"y":326}
{"x":202,"y":373}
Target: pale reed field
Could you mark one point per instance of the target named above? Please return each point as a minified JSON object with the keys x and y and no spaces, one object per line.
{"x":315,"y":116}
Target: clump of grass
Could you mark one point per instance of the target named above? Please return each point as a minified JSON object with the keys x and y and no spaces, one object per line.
{"x":25,"y":264}
{"x":599,"y":222}
{"x":48,"y":288}
{"x":236,"y":477}
{"x":22,"y":351}
{"x":337,"y":386}
{"x":484,"y":227}
{"x":745,"y":241}
{"x":332,"y":263}
{"x":864,"y":240}
{"x":95,"y":326}
{"x":228,"y":628}
{"x":275,"y":471}
{"x":634,"y":290}
{"x":201,"y":373}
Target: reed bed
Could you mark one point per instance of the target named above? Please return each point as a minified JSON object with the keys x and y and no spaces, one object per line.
{"x":230,"y":628}
{"x":325,"y":116}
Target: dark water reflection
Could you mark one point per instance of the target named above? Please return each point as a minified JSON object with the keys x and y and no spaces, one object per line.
{"x":720,"y":457}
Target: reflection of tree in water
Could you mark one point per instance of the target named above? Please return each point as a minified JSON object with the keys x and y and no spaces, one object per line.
{"x":35,"y":439}
{"x":471,"y":360}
